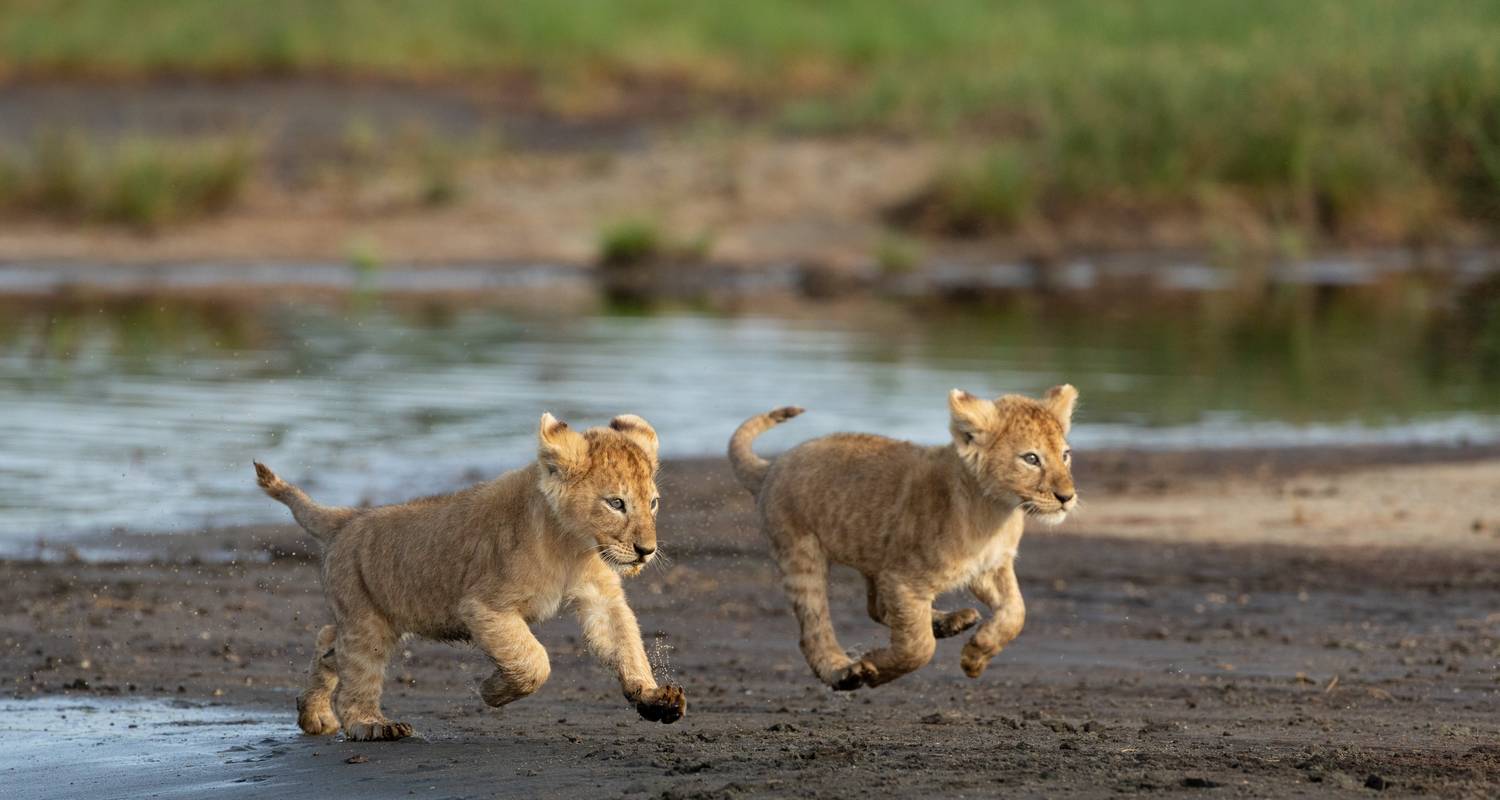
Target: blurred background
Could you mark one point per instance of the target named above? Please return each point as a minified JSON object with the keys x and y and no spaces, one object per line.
{"x":370,"y":242}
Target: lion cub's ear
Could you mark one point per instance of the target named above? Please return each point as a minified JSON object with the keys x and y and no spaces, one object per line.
{"x":639,"y":431}
{"x":1060,"y":401}
{"x":560,"y":448}
{"x":971,"y":419}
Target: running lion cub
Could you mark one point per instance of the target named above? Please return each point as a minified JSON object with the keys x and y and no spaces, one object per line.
{"x":483,"y":565}
{"x":915,"y":521}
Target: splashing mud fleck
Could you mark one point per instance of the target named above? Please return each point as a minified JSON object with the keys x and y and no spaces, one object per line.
{"x":660,"y":656}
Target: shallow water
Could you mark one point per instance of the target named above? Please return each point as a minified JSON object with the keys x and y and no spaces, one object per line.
{"x":104,"y":748}
{"x":146,"y":413}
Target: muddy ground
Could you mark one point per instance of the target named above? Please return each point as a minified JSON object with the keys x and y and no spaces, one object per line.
{"x":1229,"y":665}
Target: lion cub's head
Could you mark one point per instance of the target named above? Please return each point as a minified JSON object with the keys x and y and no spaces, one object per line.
{"x":1017,"y":448}
{"x":602,"y":485}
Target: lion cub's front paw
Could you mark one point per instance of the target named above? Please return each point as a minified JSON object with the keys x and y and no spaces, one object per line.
{"x":975,"y":659}
{"x":377,"y":730}
{"x":858,"y":673}
{"x":954,"y":622}
{"x":665,"y":705}
{"x":315,"y":715}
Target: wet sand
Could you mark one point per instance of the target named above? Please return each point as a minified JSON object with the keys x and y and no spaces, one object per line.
{"x":1256,"y":624}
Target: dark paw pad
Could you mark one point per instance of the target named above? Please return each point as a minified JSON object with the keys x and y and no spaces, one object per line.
{"x":954,"y":623}
{"x":665,"y":705}
{"x":860,"y":673}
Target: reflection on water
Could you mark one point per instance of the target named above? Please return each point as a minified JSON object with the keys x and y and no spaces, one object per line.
{"x":146,"y":413}
{"x":104,"y":747}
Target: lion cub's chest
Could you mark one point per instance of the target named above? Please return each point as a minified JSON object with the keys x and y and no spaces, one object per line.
{"x":999,"y":549}
{"x":547,"y":594}
{"x":543,"y":604}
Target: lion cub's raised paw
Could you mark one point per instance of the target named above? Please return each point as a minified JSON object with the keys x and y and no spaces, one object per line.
{"x":858,"y":673}
{"x":380,"y":730}
{"x":975,"y":659}
{"x":954,"y":622}
{"x":665,"y":705}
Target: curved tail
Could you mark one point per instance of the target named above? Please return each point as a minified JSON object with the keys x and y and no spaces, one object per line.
{"x":749,"y":467}
{"x":323,"y":522}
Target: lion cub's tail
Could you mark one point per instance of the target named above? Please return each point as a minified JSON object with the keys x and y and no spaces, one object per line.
{"x":749,"y":467}
{"x":323,"y":522}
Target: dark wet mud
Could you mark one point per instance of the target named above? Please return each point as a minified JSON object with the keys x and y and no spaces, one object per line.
{"x":1145,"y":668}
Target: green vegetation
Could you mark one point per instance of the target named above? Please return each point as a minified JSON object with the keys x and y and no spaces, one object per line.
{"x":1345,"y":117}
{"x":631,"y":243}
{"x":137,"y":183}
{"x":990,"y":194}
{"x":640,"y":242}
{"x":438,"y":171}
{"x":897,"y":255}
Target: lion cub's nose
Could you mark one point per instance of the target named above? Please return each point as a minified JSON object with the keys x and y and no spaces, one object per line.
{"x":643,"y":551}
{"x":1061,"y":498}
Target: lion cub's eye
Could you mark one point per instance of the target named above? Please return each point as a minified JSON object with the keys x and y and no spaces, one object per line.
{"x":615,"y":503}
{"x":654,"y":503}
{"x":1032,"y":458}
{"x":1067,"y":456}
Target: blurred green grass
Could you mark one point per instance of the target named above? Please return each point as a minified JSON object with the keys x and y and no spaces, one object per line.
{"x":144,"y":184}
{"x":1334,"y":114}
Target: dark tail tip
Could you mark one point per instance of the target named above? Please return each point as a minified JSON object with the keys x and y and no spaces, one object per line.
{"x":265,"y":476}
{"x":785,"y":413}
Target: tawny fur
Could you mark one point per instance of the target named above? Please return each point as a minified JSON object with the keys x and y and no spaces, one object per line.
{"x":916,"y":522}
{"x":485,"y":564}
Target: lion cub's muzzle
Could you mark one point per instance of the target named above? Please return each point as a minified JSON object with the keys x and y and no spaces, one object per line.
{"x":1051,"y":507}
{"x":628,"y":556}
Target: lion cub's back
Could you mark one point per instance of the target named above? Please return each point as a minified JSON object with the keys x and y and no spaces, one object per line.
{"x":846,"y":461}
{"x":840,"y":485}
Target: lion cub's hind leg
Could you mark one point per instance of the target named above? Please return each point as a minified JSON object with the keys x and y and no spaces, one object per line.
{"x":315,"y":705}
{"x":944,"y":623}
{"x":804,"y":570}
{"x":361,"y":647}
{"x":908,"y":614}
{"x":952,"y":623}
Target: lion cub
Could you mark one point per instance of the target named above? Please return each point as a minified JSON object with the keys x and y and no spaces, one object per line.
{"x":484,"y":565}
{"x":915,"y":521}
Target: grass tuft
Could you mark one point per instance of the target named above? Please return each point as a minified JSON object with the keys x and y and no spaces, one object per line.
{"x":143,"y":184}
{"x":631,"y":243}
{"x":991,"y":194}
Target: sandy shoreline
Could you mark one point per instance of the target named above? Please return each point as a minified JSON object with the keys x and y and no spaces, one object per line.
{"x":1271,"y":624}
{"x":1350,"y":496}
